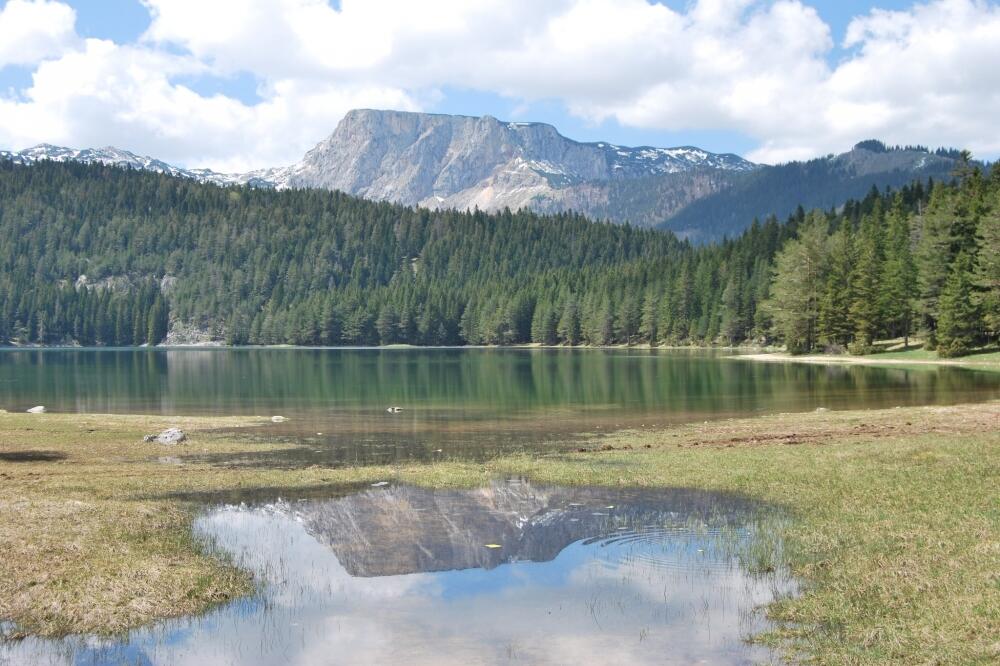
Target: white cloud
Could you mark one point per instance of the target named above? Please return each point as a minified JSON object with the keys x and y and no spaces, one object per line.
{"x":758,"y":67}
{"x":33,"y":31}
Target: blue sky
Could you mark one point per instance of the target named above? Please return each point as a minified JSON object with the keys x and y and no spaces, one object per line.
{"x":781,"y":83}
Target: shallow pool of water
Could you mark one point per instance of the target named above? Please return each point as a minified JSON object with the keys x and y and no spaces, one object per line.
{"x":510,"y":573}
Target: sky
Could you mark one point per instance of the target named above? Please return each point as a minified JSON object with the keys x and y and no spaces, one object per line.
{"x":240,"y":84}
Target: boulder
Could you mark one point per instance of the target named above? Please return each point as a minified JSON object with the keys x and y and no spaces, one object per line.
{"x":168,"y":436}
{"x":40,"y":409}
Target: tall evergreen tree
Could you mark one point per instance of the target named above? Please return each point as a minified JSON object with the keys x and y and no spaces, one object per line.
{"x":987,"y":276}
{"x":799,"y":281}
{"x":899,"y":277}
{"x":933,"y":256}
{"x":959,"y":325}
{"x":866,"y":279}
{"x":835,"y":324}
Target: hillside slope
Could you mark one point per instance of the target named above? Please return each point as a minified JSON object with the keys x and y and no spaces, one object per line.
{"x":824,"y":183}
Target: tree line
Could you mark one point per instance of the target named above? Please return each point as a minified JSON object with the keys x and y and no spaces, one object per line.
{"x":310,"y":267}
{"x":899,"y":269}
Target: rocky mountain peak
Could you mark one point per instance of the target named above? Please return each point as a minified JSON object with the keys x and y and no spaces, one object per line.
{"x":438,"y":160}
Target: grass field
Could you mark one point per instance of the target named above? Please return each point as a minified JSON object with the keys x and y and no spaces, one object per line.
{"x":895,"y":530}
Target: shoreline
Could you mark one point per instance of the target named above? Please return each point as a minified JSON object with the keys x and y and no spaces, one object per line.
{"x":746,"y":353}
{"x":846,"y":359}
{"x":399,"y":346}
{"x":118,"y":553}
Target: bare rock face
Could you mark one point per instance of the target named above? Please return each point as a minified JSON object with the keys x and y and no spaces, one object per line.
{"x":462,"y":162}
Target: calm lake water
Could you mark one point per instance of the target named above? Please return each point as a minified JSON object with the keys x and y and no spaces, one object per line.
{"x":469,"y":403}
{"x":510,"y":573}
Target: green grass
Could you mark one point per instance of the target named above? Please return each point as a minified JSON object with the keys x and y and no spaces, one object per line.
{"x":894,"y":527}
{"x":920,"y":354}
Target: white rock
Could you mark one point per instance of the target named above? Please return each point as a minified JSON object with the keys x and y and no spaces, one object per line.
{"x":171,"y":436}
{"x":278,"y":419}
{"x":40,"y":409}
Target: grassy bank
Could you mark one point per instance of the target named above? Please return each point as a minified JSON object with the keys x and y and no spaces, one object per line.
{"x":913,"y":357}
{"x":896,"y":530}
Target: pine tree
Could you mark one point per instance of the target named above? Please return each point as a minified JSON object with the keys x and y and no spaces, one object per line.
{"x":866,"y":278}
{"x":835,"y":307}
{"x":733,"y":323}
{"x":899,"y":277}
{"x":543,"y":324}
{"x":987,"y":276}
{"x":933,"y":257}
{"x":959,"y":324}
{"x":569,"y":323}
{"x":649,"y":321}
{"x":799,"y":280}
{"x":386,"y":325}
{"x":628,"y":318}
{"x":158,"y":321}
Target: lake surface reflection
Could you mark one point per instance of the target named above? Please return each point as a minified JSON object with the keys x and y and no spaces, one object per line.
{"x":456,"y":403}
{"x":510,"y":573}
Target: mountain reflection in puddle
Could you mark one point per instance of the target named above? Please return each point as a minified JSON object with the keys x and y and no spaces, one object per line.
{"x":581,"y":575}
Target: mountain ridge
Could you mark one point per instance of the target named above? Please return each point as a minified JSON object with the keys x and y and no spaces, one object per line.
{"x":824,"y":182}
{"x":441,"y":161}
{"x":618,"y":161}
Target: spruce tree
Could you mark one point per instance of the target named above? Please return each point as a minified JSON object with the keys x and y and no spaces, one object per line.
{"x":835,"y":307}
{"x":933,"y":256}
{"x":569,"y":323}
{"x":960,"y":321}
{"x":799,"y":281}
{"x":649,"y":322}
{"x":866,"y":277}
{"x":733,"y":323}
{"x":899,"y":279}
{"x":987,"y":276}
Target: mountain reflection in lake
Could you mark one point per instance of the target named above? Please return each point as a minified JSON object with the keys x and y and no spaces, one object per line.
{"x":508,"y":573}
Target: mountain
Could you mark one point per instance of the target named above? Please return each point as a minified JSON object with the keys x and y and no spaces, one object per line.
{"x":824,"y":183}
{"x":443,"y":161}
{"x":462,"y":162}
{"x":111,"y":156}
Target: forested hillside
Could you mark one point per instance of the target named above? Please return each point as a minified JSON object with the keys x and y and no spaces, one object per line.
{"x":313,"y":267}
{"x":825,"y":183}
{"x":895,"y":270}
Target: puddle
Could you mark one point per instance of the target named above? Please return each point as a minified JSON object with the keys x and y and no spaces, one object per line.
{"x":31,"y":456}
{"x":510,"y":573}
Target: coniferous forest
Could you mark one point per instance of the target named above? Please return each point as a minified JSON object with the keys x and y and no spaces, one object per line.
{"x":97,"y":255}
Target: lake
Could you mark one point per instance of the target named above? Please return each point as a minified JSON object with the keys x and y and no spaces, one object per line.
{"x":456,"y":403}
